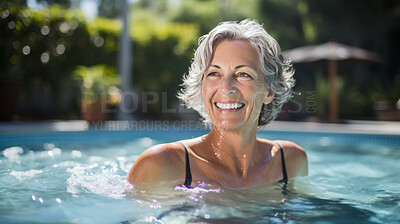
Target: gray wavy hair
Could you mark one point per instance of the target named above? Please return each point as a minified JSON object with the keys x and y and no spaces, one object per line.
{"x":278,"y":72}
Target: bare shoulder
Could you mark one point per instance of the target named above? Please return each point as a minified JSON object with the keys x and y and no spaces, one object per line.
{"x":292,"y":149}
{"x":158,"y":163}
{"x":296,"y":159}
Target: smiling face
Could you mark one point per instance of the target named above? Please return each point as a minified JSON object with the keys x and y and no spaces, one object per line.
{"x":233,"y":86}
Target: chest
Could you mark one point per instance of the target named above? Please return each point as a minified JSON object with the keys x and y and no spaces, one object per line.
{"x":267,"y":170}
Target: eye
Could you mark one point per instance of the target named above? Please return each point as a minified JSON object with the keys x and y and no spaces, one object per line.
{"x":244,"y":75}
{"x":212,"y":74}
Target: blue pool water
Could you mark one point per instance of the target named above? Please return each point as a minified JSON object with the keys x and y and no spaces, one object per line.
{"x":79,"y":177}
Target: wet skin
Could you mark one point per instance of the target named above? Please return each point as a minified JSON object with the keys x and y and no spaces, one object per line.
{"x":231,"y":155}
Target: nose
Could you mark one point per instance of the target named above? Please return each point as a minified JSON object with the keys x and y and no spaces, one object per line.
{"x":228,"y":85}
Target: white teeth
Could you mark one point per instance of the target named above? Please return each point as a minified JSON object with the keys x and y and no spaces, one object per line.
{"x":227,"y":106}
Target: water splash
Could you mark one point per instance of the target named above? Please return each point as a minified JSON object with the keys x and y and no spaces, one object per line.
{"x":27,"y":175}
{"x":13,"y":153}
{"x":202,"y":187}
{"x":99,"y":176}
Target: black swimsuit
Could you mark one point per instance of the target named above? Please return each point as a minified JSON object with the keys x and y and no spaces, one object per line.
{"x":188,"y":178}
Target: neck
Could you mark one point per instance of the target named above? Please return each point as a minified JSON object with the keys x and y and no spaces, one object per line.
{"x":234,"y":150}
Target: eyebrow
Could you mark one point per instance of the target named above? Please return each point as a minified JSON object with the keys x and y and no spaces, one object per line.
{"x":237,"y":67}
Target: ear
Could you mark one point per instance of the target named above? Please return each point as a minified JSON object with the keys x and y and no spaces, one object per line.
{"x":269,"y":97}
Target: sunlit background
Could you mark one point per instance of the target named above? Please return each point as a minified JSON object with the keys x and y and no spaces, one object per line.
{"x":60,"y":60}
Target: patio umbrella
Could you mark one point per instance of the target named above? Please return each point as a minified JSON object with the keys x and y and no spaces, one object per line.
{"x":331,"y":52}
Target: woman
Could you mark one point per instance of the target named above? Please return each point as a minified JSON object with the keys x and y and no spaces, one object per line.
{"x":238,"y":81}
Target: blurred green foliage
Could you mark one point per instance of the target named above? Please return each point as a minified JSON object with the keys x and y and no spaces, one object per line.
{"x":96,"y":80}
{"x":42,"y":48}
{"x":207,"y":14}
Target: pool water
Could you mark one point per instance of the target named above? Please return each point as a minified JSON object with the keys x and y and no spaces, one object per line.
{"x":79,"y":177}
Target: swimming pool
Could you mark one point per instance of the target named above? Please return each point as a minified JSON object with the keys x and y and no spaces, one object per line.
{"x":79,"y":177}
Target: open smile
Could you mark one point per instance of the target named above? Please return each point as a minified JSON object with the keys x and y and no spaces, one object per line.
{"x":229,"y":106}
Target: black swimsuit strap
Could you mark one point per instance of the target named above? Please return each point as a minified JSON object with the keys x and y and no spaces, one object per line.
{"x":285,"y":176}
{"x":188,"y":178}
